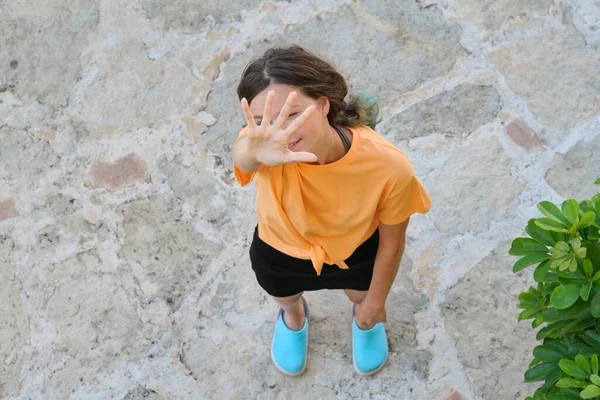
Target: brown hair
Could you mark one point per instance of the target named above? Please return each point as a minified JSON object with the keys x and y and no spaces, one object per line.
{"x":315,"y":77}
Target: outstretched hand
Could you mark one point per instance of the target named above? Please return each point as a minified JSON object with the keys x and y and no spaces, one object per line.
{"x":267,"y":142}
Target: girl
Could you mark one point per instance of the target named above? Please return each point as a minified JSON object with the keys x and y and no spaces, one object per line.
{"x":333,"y":200}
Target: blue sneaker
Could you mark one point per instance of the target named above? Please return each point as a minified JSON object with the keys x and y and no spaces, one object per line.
{"x":289,"y":348}
{"x":369,"y":348}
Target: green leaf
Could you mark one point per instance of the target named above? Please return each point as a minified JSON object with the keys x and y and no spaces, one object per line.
{"x":539,"y":319}
{"x":558,"y":236}
{"x":593,"y":251}
{"x":580,"y":252}
{"x":595,"y":378}
{"x":562,"y":246}
{"x":534,"y":362}
{"x":595,"y":305}
{"x":570,"y":382}
{"x":596,"y":202}
{"x":556,"y":345}
{"x":551,"y":225}
{"x":541,"y":271}
{"x":586,"y":205}
{"x":558,"y":264}
{"x":525,"y":246}
{"x":539,"y":396}
{"x":571,"y":368}
{"x":528,"y":299}
{"x":594,"y":362}
{"x":587,"y":219}
{"x":573,"y":393}
{"x":570,"y":210}
{"x":589,"y":351}
{"x":588,"y":268}
{"x":551,"y":329}
{"x":575,"y":276}
{"x":584,"y":293}
{"x":590,"y":392}
{"x":530,"y":259}
{"x":592,"y":338}
{"x":528,"y":314}
{"x":539,"y":372}
{"x":560,"y":396}
{"x":597,"y":182}
{"x":573,"y":266}
{"x":575,"y":310}
{"x":583,"y":363}
{"x":546,"y":353}
{"x":553,"y":376}
{"x":539,"y":234}
{"x":596,"y":276}
{"x":564,"y":296}
{"x":551,"y":211}
{"x":560,"y":250}
{"x":550,"y":277}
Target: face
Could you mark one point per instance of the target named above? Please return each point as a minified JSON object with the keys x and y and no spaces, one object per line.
{"x":307,"y":136}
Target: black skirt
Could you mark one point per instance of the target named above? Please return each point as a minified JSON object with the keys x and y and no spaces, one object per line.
{"x":281,"y":275}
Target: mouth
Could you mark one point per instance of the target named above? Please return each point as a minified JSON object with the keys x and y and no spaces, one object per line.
{"x":292,"y":145}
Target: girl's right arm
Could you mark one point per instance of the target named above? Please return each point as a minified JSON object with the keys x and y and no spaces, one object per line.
{"x":243,"y":159}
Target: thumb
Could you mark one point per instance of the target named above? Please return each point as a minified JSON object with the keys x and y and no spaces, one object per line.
{"x":299,"y":157}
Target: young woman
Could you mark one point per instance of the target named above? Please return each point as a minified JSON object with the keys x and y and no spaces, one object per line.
{"x":333,"y":200}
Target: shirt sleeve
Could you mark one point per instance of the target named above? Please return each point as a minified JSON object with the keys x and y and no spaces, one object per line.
{"x":241,"y":177}
{"x":404,"y":195}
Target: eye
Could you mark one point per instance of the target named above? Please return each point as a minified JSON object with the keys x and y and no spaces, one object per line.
{"x":293,"y":114}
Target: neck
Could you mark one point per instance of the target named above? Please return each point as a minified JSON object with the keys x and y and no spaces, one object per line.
{"x":330,"y":147}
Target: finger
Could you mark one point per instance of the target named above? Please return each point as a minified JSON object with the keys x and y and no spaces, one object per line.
{"x":248,"y":114}
{"x":266,"y":119}
{"x":286,"y":110}
{"x":299,"y":157}
{"x":299,"y":121}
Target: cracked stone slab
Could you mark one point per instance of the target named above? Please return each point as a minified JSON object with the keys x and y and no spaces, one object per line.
{"x":489,"y":16}
{"x":455,"y":113}
{"x":556,"y":75}
{"x":586,"y":17}
{"x":573,"y":174}
{"x":14,"y":327}
{"x":125,"y":171}
{"x":146,"y":291}
{"x":523,"y":135}
{"x":423,"y":48}
{"x":25,"y":159}
{"x":465,"y":201}
{"x":238,"y":319}
{"x":480,"y":314}
{"x":194,"y":15}
{"x":170,"y":254}
{"x":154,"y":89}
{"x":40,"y":47}
{"x":8,"y":209}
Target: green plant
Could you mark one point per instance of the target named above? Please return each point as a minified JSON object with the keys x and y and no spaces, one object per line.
{"x":564,"y":247}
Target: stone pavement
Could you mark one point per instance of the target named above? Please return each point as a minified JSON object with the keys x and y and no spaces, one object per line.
{"x":124,"y":269}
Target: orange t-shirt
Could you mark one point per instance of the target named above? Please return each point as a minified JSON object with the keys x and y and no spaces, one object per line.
{"x":324,"y":212}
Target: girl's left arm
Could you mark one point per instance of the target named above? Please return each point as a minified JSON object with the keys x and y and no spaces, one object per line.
{"x":392,"y":239}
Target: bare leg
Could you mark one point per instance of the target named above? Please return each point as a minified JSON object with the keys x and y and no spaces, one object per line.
{"x":294,"y":311}
{"x":357,"y":297}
